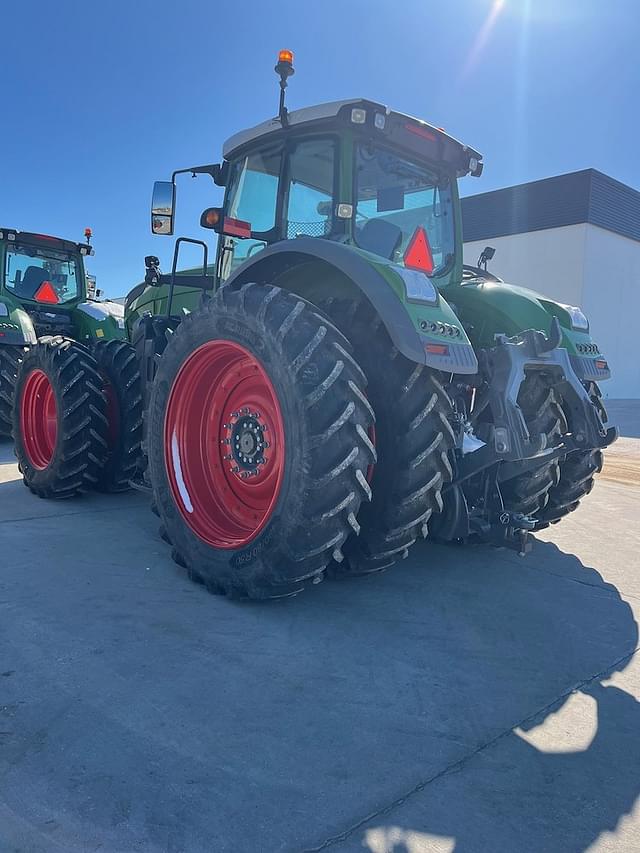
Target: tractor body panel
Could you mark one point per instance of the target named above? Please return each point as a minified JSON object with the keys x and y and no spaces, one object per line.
{"x":98,"y":321}
{"x":488,"y":308}
{"x":154,"y":300}
{"x":16,"y":327}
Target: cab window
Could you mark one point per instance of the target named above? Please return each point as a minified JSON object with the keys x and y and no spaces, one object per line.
{"x":28,"y":267}
{"x":252,"y":197}
{"x":309,"y":204}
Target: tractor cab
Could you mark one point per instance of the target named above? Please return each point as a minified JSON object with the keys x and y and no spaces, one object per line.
{"x":39,"y":270}
{"x":44,"y":286}
{"x":352,"y":172}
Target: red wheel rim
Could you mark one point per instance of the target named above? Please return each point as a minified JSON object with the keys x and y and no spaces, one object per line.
{"x":224,"y":444}
{"x":38,"y":419}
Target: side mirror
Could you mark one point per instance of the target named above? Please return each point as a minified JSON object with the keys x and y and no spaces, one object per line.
{"x":92,"y":291}
{"x":162,"y":207}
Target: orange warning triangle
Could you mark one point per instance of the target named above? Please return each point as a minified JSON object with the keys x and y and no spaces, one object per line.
{"x":418,"y":255}
{"x":46,"y":293}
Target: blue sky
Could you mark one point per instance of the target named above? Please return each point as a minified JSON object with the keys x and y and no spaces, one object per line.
{"x":100,"y":99}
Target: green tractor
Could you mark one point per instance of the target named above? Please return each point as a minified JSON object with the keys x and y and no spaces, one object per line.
{"x":69,"y":384}
{"x":336,"y":386}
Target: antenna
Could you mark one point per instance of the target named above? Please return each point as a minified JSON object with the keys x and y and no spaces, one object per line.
{"x":284,"y":68}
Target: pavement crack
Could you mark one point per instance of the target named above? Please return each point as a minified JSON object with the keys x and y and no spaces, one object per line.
{"x":64,"y":514}
{"x":458,"y":765}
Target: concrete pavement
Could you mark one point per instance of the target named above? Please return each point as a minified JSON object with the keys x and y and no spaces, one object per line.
{"x":467,"y":700}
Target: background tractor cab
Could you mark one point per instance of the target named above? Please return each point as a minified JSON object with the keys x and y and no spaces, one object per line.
{"x":44,"y":289}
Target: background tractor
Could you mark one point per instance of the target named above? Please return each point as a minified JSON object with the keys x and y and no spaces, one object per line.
{"x":69,"y":381}
{"x":335,"y":387}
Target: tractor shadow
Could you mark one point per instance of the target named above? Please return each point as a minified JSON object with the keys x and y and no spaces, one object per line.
{"x":559,"y":778}
{"x":147,"y":714}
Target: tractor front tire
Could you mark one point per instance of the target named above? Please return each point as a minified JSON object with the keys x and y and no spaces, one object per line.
{"x":59,"y":419}
{"x":258,"y":442}
{"x":413,"y":439}
{"x":9,"y":362}
{"x":529,"y":492}
{"x":576,"y":474}
{"x":118,"y":365}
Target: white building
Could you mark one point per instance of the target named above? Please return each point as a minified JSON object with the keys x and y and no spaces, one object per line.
{"x":576,"y":239}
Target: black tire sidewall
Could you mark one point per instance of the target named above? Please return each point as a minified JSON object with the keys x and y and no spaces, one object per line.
{"x":243,"y":564}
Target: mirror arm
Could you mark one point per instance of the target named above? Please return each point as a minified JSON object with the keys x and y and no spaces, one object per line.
{"x":213,"y":169}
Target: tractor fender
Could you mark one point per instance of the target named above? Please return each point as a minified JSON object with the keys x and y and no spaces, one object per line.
{"x":99,"y":320}
{"x":316,"y":269}
{"x":16,"y":326}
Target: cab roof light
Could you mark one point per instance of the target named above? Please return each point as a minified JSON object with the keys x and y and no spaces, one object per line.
{"x":358,"y":116}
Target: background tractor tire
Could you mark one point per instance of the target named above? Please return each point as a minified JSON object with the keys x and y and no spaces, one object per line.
{"x":59,"y":419}
{"x":528,"y":492}
{"x":258,"y":442}
{"x":576,"y":475}
{"x":413,"y":438}
{"x":9,"y":362}
{"x":118,"y":365}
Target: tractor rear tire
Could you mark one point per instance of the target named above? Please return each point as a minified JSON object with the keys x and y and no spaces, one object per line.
{"x":576,"y":474}
{"x":9,"y":362}
{"x":118,"y":365}
{"x":258,"y":442}
{"x":59,"y":419}
{"x":413,"y":439}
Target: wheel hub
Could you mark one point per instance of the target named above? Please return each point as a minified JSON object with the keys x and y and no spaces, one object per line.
{"x":247,"y":442}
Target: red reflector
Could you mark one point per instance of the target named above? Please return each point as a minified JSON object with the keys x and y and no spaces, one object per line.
{"x":437,"y":349}
{"x":236,"y":227}
{"x":46,"y":293}
{"x":46,"y":237}
{"x":424,"y":132}
{"x":601,"y":364}
{"x":418,"y":255}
